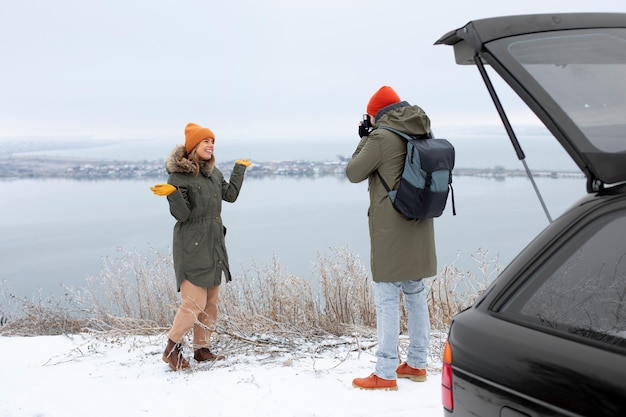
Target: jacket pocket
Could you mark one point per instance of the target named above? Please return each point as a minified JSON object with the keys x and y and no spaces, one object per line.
{"x":193,"y":242}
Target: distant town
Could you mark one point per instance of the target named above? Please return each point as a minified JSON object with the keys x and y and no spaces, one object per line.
{"x":40,"y":167}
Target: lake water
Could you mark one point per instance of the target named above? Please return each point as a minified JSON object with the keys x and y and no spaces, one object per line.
{"x":56,"y":232}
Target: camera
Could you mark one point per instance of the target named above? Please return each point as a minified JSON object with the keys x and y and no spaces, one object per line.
{"x":366,"y":122}
{"x":365,"y":127}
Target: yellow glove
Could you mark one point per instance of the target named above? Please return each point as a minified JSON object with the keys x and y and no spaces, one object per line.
{"x":163,"y":189}
{"x":244,"y":162}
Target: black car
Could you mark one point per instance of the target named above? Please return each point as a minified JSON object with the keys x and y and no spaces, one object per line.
{"x":548,"y":337}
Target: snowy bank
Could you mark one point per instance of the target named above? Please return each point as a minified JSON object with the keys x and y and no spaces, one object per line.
{"x":83,"y":375}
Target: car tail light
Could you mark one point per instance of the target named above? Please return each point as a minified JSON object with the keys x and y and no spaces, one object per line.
{"x":447,"y":398}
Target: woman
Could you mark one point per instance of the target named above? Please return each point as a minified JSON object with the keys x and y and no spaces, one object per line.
{"x":195,"y":191}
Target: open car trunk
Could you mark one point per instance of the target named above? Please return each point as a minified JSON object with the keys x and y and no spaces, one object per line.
{"x":571,"y":75}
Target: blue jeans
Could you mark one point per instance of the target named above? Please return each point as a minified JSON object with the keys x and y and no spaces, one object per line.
{"x":387,"y":297}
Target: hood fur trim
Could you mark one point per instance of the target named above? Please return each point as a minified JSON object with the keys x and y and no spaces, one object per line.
{"x":179,"y":162}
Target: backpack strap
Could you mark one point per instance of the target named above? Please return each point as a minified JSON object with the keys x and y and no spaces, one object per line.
{"x":428,"y":135}
{"x":383,"y":181}
{"x":405,"y":136}
{"x":452,"y":192}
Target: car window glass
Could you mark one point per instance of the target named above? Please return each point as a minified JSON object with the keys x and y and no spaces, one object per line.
{"x":583,"y":72}
{"x":584,"y":293}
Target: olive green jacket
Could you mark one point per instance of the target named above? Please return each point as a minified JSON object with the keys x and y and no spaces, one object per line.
{"x":401,"y":249}
{"x":199,"y":247}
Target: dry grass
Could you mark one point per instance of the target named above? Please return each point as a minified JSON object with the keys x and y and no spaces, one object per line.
{"x":347,"y":292}
{"x":135,"y":294}
{"x":452,"y":290}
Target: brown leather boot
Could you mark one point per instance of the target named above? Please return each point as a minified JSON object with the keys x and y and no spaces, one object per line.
{"x":204,"y":354}
{"x":173,"y":356}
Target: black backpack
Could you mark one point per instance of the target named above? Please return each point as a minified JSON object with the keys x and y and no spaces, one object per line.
{"x":426,"y":177}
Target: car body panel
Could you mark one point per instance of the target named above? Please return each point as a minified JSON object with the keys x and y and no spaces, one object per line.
{"x":498,"y":362}
{"x":538,"y":382}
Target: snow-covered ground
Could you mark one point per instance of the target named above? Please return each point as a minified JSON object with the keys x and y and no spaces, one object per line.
{"x":84,"y":375}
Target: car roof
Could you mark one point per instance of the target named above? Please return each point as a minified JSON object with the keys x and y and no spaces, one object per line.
{"x":570,"y":70}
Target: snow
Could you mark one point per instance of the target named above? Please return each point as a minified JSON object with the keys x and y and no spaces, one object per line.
{"x":86,"y":375}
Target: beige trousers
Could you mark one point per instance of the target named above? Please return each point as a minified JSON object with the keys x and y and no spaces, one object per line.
{"x":198,"y":310}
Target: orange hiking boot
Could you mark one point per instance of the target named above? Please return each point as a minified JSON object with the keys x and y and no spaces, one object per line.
{"x":414,"y":374}
{"x":375,"y":382}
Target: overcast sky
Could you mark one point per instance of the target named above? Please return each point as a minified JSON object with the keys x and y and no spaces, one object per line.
{"x":266,"y":69}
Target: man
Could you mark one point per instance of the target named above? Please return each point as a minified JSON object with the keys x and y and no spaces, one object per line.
{"x":402,"y":251}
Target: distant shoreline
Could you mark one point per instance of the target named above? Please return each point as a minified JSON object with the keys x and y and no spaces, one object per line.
{"x":39,"y":167}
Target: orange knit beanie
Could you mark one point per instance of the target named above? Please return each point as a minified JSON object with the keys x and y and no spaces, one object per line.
{"x":195,"y":134}
{"x":382,"y":98}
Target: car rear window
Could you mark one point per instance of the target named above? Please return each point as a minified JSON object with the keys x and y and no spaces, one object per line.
{"x":583,"y":72}
{"x":582,"y":289}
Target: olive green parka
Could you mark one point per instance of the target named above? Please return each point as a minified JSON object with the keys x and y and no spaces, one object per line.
{"x":199,"y":247}
{"x":401,"y":249}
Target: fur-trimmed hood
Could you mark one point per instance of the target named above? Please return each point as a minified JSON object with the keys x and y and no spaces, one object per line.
{"x":179,"y":162}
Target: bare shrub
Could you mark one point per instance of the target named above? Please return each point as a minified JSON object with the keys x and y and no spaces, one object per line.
{"x":266,"y":299}
{"x":134,"y":286}
{"x":346,"y":291}
{"x":39,"y":315}
{"x":137,"y":294}
{"x":132,"y":293}
{"x":452,"y":291}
